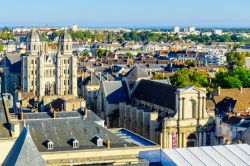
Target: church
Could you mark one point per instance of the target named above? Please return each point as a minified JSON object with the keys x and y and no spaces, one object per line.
{"x":49,"y":73}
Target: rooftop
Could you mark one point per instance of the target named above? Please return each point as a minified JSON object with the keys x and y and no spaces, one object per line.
{"x":61,"y":131}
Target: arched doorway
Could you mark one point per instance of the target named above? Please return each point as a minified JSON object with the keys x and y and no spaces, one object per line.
{"x":191,"y":140}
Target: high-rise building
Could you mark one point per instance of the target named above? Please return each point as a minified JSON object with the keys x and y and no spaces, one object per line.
{"x":46,"y":73}
{"x":176,"y":29}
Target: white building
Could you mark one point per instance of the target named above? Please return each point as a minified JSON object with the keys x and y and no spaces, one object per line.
{"x":176,"y":29}
{"x":217,"y":31}
{"x":74,"y":27}
{"x":49,"y":74}
{"x":189,"y":29}
{"x":215,"y":59}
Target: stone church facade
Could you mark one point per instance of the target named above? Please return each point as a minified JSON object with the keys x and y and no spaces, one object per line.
{"x":49,"y":73}
{"x":163,"y":113}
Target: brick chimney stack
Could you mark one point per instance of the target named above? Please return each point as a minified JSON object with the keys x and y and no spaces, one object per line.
{"x":85,"y":112}
{"x":241,"y":89}
{"x":54,"y":114}
{"x":21,"y":115}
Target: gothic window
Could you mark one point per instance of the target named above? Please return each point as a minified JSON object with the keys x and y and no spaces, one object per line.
{"x":61,"y":47}
{"x":67,"y":47}
{"x":29,"y":47}
{"x":34,"y":47}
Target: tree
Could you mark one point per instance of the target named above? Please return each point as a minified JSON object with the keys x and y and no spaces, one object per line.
{"x":235,"y":58}
{"x":181,"y":78}
{"x":130,"y":55}
{"x":185,"y":77}
{"x":1,"y":47}
{"x":101,"y":53}
{"x":159,"y":76}
{"x":236,"y":78}
{"x":191,"y":63}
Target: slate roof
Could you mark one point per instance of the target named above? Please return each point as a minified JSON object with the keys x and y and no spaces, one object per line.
{"x":157,"y":93}
{"x":61,"y":130}
{"x":46,"y":115}
{"x":91,"y":80}
{"x":14,"y":62}
{"x":135,"y":72}
{"x":114,"y":91}
{"x":4,"y":125}
{"x":24,"y":152}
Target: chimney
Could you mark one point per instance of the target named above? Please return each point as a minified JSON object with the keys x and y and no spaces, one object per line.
{"x":108,"y":143}
{"x":54,"y":114}
{"x":219,"y":90}
{"x":21,"y":115}
{"x":85,"y":112}
{"x":241,"y":89}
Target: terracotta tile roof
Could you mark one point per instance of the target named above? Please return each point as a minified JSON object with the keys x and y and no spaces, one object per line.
{"x":242,"y":99}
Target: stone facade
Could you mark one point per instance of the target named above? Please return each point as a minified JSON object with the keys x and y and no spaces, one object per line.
{"x":190,"y":126}
{"x":46,"y":73}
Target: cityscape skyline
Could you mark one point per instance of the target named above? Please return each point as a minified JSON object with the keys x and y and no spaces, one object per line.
{"x":127,"y":14}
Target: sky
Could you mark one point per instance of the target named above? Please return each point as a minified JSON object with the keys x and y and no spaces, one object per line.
{"x":126,"y":13}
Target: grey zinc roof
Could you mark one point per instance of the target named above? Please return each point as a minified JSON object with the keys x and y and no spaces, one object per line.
{"x":114,"y":91}
{"x":24,"y":152}
{"x":135,"y":72}
{"x":61,"y":130}
{"x":91,"y":80}
{"x":46,"y":115}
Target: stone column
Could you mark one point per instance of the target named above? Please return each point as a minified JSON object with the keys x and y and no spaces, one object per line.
{"x":204,"y":138}
{"x":203,"y":107}
{"x":183,"y":108}
{"x":200,"y":139}
{"x":211,"y":138}
{"x":179,"y":140}
{"x":169,"y":142}
{"x":184,"y":141}
{"x":180,"y":108}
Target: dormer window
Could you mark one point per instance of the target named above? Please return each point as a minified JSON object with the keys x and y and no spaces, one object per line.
{"x":49,"y":144}
{"x":74,"y":142}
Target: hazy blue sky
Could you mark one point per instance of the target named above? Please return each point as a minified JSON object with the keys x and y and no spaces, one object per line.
{"x":233,"y":13}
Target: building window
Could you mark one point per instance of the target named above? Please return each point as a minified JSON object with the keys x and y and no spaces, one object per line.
{"x":32,"y":62}
{"x":61,"y":47}
{"x":64,"y":82}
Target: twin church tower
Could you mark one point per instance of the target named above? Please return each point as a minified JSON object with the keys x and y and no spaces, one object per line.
{"x":45,"y":73}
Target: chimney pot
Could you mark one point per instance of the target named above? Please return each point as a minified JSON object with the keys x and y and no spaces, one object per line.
{"x":108,"y":143}
{"x":241,"y":89}
{"x":21,"y":115}
{"x":54,"y":114}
